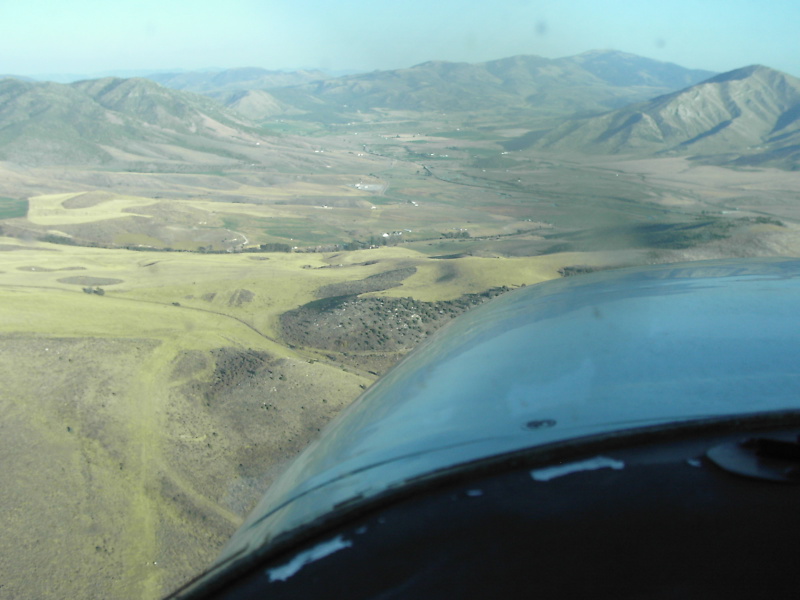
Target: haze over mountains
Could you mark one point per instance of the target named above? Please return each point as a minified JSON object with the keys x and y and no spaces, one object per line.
{"x":591,"y":81}
{"x":595,"y":102}
{"x":246,"y":78}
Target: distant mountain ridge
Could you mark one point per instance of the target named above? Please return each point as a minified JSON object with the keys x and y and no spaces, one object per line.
{"x":624,"y":69}
{"x":749,"y":112}
{"x":231,"y":80}
{"x":592,"y":81}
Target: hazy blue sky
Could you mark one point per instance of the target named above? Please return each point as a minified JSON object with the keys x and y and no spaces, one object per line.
{"x":95,"y":36}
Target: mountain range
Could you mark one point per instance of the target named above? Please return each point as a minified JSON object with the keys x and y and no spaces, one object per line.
{"x":112,"y":120}
{"x":592,"y":81}
{"x":746,"y":116}
{"x":596,"y":102}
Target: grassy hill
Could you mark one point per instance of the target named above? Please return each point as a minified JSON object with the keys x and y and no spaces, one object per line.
{"x":255,"y":104}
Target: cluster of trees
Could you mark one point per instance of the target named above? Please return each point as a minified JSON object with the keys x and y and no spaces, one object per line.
{"x":270,"y":247}
{"x":460,"y":234}
{"x":275,"y":247}
{"x":373,"y":241}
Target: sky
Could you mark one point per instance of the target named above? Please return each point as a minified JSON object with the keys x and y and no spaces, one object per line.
{"x":98,"y":37}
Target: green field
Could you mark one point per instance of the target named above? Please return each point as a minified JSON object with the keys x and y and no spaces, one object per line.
{"x":11,"y":208}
